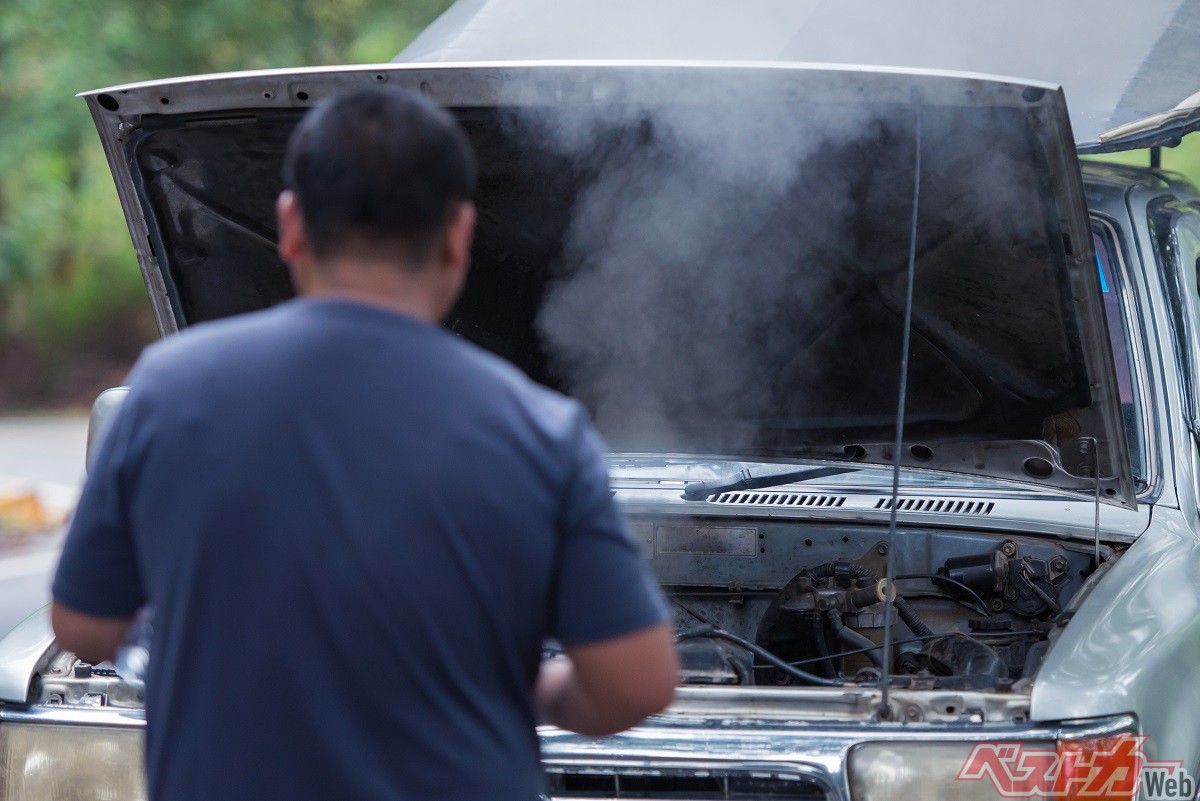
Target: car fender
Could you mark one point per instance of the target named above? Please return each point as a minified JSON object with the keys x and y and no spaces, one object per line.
{"x":1134,"y":644}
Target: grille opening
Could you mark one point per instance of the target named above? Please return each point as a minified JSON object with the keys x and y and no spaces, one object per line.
{"x":683,"y":785}
{"x":780,"y":499}
{"x":939,"y":505}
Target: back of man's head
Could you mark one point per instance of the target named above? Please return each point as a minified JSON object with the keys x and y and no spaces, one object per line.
{"x":378,"y":174}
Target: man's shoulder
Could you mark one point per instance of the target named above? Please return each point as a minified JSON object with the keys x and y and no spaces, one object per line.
{"x":211,"y":344}
{"x":553,"y":410}
{"x":244,"y":342}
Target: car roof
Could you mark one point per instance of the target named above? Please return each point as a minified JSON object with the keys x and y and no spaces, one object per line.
{"x":1107,"y":183}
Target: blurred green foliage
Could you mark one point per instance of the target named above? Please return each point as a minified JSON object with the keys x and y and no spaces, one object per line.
{"x":1184,"y":159}
{"x":67,"y":270}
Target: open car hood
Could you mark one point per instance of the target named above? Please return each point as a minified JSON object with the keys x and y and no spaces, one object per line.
{"x":712,"y":257}
{"x":1126,"y":65}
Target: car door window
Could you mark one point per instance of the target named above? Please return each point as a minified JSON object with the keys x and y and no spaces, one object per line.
{"x":1123,"y":357}
{"x":1176,"y":230}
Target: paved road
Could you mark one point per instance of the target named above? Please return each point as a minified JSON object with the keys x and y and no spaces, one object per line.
{"x":43,"y":448}
{"x":25,"y":580}
{"x":47,"y":453}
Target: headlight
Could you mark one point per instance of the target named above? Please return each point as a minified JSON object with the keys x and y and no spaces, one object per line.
{"x":70,"y":763}
{"x":1107,"y":767}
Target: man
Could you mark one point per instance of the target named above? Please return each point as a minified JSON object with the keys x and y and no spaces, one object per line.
{"x":356,"y":529}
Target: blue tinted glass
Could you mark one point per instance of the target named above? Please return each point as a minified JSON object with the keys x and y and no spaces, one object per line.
{"x":1119,"y":338}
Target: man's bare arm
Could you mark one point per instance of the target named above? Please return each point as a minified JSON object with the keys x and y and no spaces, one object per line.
{"x":91,"y":638}
{"x":606,"y":687}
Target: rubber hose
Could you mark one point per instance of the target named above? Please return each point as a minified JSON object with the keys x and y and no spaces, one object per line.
{"x":852,"y":638}
{"x":828,"y":569}
{"x":906,"y":612}
{"x":823,"y":648}
{"x":716,"y":633}
{"x":909,"y":616}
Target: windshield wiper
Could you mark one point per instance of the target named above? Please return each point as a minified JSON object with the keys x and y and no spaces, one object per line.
{"x":742,"y":479}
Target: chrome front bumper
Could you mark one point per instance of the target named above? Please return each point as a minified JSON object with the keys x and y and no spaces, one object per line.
{"x":797,"y":760}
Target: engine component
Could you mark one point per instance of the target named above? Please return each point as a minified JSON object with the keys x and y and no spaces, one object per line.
{"x":791,"y":671}
{"x":959,"y":655}
{"x":709,"y":662}
{"x":852,"y":638}
{"x":1018,"y":583}
{"x":985,"y":573}
{"x":989,"y":624}
{"x":809,"y":613}
{"x":66,"y":680}
{"x":909,"y":616}
{"x":808,"y":608}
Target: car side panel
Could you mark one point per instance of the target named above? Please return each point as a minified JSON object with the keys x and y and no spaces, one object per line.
{"x":1134,"y":643}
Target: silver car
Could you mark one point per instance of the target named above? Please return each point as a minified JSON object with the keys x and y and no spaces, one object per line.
{"x":903,"y":404}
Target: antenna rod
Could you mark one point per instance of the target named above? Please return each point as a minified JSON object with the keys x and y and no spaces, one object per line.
{"x":885,"y":711}
{"x":1096,"y":475}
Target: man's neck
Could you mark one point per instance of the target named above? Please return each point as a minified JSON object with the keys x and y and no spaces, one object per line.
{"x":403,"y":306}
{"x":412,"y":293}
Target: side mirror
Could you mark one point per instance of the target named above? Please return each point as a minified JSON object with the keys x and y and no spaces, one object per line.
{"x":104,"y":412}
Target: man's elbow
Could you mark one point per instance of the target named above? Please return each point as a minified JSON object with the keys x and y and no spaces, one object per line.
{"x":658,"y":695}
{"x":650,"y":701}
{"x":93,"y":639}
{"x":86,"y":649}
{"x":646,"y":688}
{"x":623,"y":713}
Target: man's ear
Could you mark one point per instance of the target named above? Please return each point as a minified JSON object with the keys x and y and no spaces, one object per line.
{"x":460,"y":234}
{"x":293,"y":242}
{"x":454,"y":257}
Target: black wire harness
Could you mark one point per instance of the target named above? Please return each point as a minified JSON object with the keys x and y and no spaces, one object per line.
{"x":711,"y":632}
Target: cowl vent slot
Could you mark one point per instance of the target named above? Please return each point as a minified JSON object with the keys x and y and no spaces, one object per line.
{"x":945,"y":506}
{"x":779,"y":499}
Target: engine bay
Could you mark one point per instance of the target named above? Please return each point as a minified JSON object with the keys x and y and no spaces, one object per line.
{"x":777,"y":603}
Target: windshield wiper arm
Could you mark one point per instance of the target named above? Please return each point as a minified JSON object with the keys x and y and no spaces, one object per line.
{"x":742,"y":479}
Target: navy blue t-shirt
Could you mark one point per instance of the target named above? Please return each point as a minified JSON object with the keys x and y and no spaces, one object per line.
{"x":356,"y":530}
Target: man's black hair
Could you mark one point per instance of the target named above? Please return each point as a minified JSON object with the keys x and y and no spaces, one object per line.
{"x":379,"y":171}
